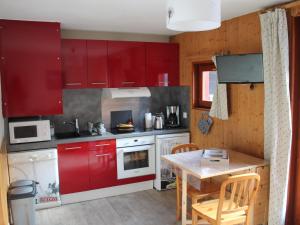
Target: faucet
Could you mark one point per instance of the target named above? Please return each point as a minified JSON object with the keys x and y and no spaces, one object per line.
{"x":75,"y":123}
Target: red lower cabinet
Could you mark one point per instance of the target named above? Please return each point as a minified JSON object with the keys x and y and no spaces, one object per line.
{"x":73,"y":165}
{"x":87,"y":165}
{"x":90,"y":165}
{"x":102,"y":164}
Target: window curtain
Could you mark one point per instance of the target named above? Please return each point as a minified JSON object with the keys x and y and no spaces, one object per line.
{"x":277,"y":112}
{"x":293,"y":203}
{"x":219,"y":106}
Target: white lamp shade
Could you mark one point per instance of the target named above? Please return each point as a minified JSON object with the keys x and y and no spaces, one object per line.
{"x":193,"y":15}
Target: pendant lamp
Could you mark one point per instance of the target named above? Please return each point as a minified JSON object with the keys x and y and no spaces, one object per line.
{"x":193,"y":15}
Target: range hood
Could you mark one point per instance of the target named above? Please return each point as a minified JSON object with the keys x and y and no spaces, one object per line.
{"x":127,"y":92}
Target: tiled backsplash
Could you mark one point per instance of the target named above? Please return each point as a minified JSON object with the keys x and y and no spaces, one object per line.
{"x":163,"y":96}
{"x":91,"y":105}
{"x":138,"y":106}
{"x":84,"y":104}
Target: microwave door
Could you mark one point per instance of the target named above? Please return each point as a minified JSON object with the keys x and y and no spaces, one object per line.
{"x":25,"y":132}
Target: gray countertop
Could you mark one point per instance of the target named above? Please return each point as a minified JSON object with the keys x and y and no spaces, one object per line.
{"x":54,"y":142}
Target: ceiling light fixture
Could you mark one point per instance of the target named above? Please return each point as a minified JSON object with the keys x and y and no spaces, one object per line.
{"x":193,"y":15}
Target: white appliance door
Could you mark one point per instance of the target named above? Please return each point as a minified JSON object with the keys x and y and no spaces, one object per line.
{"x":164,"y":145}
{"x":135,"y":161}
{"x":40,"y":166}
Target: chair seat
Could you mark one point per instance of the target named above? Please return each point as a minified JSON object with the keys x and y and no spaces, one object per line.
{"x":208,"y":210}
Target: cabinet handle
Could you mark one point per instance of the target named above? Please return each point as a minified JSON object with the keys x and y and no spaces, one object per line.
{"x":128,"y":82}
{"x":101,"y":83}
{"x":73,"y":148}
{"x":72,"y":84}
{"x":102,"y":155}
{"x":101,"y":145}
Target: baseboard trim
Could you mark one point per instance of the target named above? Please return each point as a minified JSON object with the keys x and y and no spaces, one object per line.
{"x":47,"y":205}
{"x":106,"y":192}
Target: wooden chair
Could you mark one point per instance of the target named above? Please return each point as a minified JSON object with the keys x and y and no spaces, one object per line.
{"x":232,"y":207}
{"x":207,"y":188}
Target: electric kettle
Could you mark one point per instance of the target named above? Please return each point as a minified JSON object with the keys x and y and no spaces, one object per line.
{"x":159,"y":121}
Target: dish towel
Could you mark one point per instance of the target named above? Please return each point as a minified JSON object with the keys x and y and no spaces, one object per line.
{"x":219,"y":106}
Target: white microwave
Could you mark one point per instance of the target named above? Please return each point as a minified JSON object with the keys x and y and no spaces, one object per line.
{"x":29,"y":131}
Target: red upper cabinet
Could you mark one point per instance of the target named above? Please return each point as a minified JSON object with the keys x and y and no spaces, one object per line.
{"x":162,"y":58}
{"x":126,"y":63}
{"x":31,"y":68}
{"x":74,"y":63}
{"x":97,"y":64}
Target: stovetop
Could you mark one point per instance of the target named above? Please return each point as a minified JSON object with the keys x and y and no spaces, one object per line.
{"x":115,"y":131}
{"x":141,"y":130}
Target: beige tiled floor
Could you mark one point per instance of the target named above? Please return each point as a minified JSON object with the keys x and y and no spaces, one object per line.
{"x":140,"y":208}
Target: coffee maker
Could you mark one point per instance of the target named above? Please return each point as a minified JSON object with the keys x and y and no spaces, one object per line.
{"x":173,"y":119}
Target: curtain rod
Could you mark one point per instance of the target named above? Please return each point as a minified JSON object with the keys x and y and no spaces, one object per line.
{"x":289,"y":5}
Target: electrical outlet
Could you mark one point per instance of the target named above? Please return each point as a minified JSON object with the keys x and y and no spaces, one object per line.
{"x":185,"y":115}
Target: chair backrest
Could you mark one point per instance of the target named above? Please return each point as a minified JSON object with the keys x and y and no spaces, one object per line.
{"x":184,"y":148}
{"x":237,"y":194}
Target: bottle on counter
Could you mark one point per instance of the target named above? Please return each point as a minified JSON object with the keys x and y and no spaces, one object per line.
{"x":52,"y":130}
{"x":148,"y":121}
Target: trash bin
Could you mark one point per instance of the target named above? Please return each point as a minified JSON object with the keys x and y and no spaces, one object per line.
{"x":21,"y":202}
{"x":22,"y":183}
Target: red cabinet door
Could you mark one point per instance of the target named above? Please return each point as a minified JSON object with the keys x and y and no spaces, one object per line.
{"x":4,"y":108}
{"x":97,"y":64}
{"x":74,"y":63}
{"x":126,"y":64}
{"x":162,"y":58}
{"x":73,"y":165}
{"x":102,"y":164}
{"x":31,"y":68}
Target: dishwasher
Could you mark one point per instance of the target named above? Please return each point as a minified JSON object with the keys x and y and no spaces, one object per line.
{"x":41,"y":166}
{"x":165,"y":178}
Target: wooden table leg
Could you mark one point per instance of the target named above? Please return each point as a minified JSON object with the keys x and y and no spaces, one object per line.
{"x":184,"y":197}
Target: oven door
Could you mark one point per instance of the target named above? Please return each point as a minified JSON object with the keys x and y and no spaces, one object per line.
{"x":135,"y":161}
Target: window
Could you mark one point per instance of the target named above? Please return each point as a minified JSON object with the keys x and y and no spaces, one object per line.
{"x":204,"y":84}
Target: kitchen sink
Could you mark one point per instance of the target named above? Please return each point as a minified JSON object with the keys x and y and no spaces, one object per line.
{"x":72,"y":135}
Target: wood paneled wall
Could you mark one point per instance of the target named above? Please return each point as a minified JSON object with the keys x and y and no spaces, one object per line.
{"x":3,"y":185}
{"x":244,"y":130}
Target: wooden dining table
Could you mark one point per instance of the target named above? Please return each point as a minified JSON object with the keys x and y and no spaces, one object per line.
{"x":190,"y":165}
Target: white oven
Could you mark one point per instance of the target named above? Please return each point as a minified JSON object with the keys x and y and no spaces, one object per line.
{"x":135,"y":156}
{"x":29,"y":131}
